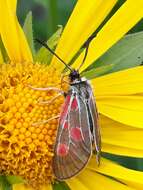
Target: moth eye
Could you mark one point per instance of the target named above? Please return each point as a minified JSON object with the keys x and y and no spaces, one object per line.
{"x":62,"y":150}
{"x":76,"y":134}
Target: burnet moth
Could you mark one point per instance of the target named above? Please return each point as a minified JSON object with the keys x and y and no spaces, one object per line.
{"x":78,"y":133}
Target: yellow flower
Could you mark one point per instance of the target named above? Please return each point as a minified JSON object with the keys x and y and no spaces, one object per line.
{"x":26,"y":143}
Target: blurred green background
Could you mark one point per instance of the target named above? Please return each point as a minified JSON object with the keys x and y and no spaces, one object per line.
{"x":47,"y":14}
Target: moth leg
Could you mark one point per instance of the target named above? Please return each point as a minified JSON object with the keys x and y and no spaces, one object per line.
{"x":45,"y":121}
{"x":62,"y":79}
{"x":48,"y":89}
{"x":50,"y":101}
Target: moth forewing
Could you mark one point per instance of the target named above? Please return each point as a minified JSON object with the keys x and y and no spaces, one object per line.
{"x":72,"y":156}
{"x":95,"y":124}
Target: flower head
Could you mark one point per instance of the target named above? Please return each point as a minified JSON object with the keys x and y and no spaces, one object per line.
{"x":26,"y":141}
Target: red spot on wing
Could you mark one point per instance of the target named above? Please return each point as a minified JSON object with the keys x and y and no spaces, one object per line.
{"x":62,"y":150}
{"x":76,"y":134}
{"x":74,"y":104}
{"x":66,"y":125}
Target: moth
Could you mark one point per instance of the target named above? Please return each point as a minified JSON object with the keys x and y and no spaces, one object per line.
{"x":78,"y":133}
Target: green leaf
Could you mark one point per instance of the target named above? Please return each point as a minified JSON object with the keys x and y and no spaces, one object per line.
{"x":96,"y":72}
{"x":53,"y":40}
{"x":60,"y":186}
{"x":27,"y":27}
{"x":43,"y":55}
{"x":42,"y":2}
{"x":15,"y":179}
{"x":127,"y":53}
{"x":4,"y":184}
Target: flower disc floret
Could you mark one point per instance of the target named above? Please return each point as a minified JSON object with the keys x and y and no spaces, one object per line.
{"x":26,"y":142}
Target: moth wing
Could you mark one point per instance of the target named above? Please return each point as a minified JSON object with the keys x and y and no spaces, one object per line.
{"x":96,"y":127}
{"x":73,"y":146}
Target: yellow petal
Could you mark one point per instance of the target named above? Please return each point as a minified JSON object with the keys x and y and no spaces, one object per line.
{"x":124,"y":82}
{"x":121,"y":22}
{"x":121,"y":173}
{"x":134,"y":185}
{"x":13,"y":4}
{"x":116,"y":134}
{"x":21,"y":187}
{"x":93,"y":180}
{"x":11,"y":33}
{"x":120,"y":150}
{"x":26,"y":187}
{"x":112,"y":93}
{"x":85,"y":19}
{"x":124,"y":109}
{"x":75,"y":183}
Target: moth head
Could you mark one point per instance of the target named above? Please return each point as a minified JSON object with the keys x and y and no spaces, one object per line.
{"x":74,"y":76}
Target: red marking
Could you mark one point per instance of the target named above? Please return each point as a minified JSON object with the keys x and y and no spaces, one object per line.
{"x":76,"y":134}
{"x":66,"y":125}
{"x":74,"y":104}
{"x":65,"y":108}
{"x":62,"y":150}
{"x":68,"y":97}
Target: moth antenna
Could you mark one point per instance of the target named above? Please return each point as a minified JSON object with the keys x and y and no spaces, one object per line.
{"x":52,"y":52}
{"x":86,"y":45}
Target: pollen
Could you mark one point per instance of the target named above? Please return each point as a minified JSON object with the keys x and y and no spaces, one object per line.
{"x":26,"y":137}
